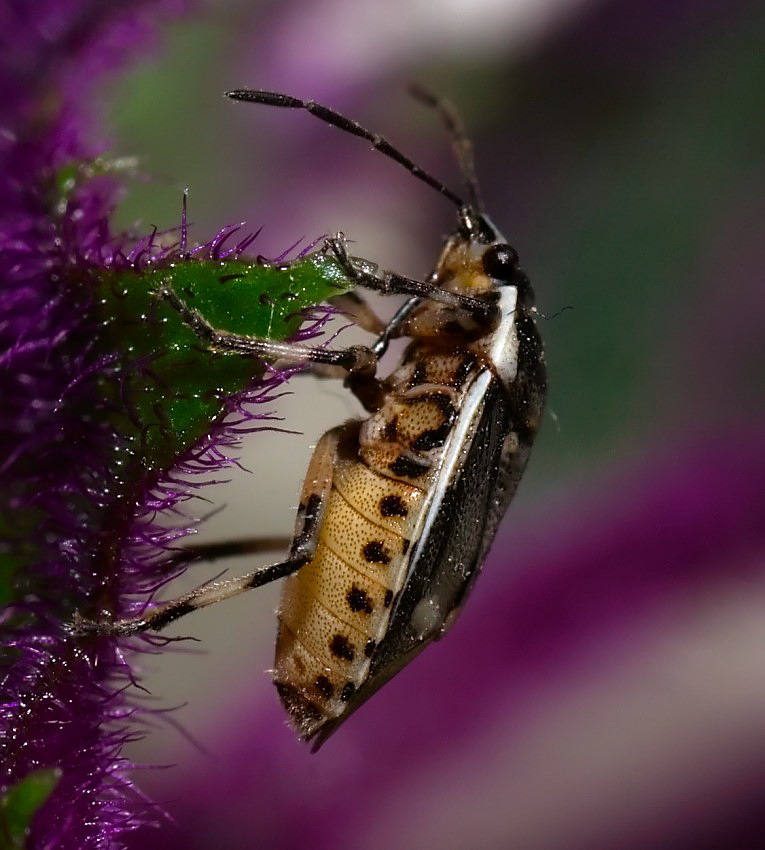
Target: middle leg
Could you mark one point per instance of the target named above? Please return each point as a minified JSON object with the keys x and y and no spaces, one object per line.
{"x":356,"y":358}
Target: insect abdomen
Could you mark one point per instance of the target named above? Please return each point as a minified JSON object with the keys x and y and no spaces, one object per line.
{"x":337,"y":607}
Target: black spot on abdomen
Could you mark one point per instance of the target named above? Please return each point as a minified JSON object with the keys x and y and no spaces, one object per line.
{"x":408,"y":467}
{"x":464,"y":369}
{"x":419,"y":375}
{"x":374,"y":552}
{"x":341,"y":648}
{"x":434,"y":438}
{"x":358,"y":600}
{"x":324,"y":687}
{"x":393,"y":506}
{"x":390,"y":431}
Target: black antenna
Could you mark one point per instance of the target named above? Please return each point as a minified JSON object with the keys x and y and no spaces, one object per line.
{"x":461,"y":144}
{"x":329,"y":116}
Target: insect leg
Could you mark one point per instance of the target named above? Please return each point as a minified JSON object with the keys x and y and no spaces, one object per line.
{"x":356,"y":358}
{"x":367,"y":388}
{"x":353,"y":305}
{"x":208,"y":594}
{"x":229,"y":549}
{"x":313,"y":500}
{"x":392,"y":283}
{"x":362,"y":314}
{"x":395,"y":327}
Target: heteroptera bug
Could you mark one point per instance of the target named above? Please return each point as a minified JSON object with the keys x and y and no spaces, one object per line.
{"x":397,"y":511}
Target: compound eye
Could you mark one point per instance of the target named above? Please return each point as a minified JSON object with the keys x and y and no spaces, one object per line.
{"x":500,"y":262}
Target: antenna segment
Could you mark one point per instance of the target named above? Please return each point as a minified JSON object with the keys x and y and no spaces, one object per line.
{"x":335,"y":119}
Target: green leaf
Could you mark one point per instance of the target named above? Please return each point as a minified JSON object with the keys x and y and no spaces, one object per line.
{"x":21,"y":802}
{"x":168,"y":390}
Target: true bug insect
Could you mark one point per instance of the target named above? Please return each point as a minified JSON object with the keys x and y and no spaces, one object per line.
{"x":397,"y":511}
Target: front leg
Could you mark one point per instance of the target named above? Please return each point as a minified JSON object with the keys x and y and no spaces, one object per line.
{"x":366,"y":274}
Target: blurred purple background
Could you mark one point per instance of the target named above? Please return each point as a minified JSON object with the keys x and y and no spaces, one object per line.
{"x":605,"y":687}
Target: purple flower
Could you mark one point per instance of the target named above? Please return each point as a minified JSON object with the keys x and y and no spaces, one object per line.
{"x":61,"y":706}
{"x":92,"y":462}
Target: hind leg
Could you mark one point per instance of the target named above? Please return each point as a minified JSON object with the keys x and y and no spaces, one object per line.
{"x":313,"y":501}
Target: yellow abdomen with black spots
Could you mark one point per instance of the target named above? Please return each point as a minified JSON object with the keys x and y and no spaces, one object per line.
{"x":336,"y":609}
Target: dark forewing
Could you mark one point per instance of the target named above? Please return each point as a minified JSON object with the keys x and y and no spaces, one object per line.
{"x":449,"y":557}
